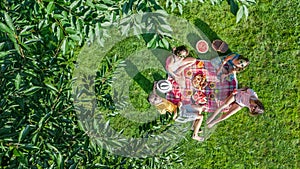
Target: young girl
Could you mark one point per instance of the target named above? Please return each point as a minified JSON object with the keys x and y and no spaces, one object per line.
{"x":177,"y":62}
{"x":231,"y":65}
{"x":192,"y":112}
{"x":244,"y":97}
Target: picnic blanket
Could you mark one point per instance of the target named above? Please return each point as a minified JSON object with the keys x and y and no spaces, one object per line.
{"x":216,"y":90}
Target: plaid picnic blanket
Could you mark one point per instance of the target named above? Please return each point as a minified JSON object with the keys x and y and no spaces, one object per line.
{"x":216,"y":90}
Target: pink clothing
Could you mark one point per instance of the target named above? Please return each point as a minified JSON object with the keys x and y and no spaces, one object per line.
{"x":243,"y":97}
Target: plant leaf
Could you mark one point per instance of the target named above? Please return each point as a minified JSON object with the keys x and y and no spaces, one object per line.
{"x":18,"y":81}
{"x":9,"y":21}
{"x":6,"y":29}
{"x":239,"y":14}
{"x":23,"y":133}
{"x":50,"y":7}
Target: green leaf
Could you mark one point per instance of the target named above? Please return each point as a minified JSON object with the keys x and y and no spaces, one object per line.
{"x":18,"y":81}
{"x":180,"y":8}
{"x":75,"y":37}
{"x":2,"y":45}
{"x":64,"y":46}
{"x":152,"y":42}
{"x":32,"y":90}
{"x":246,"y":11}
{"x":9,"y":21}
{"x":70,"y":30}
{"x":75,"y":4}
{"x":239,"y":14}
{"x":17,"y":47}
{"x":4,"y":53}
{"x":51,"y":87}
{"x":23,"y":133}
{"x":50,"y":7}
{"x":166,"y":43}
{"x":6,"y":29}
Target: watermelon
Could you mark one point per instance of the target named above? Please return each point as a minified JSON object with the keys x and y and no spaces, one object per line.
{"x":202,"y":46}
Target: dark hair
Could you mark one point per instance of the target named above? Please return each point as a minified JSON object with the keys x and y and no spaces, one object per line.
{"x":237,"y":69}
{"x":259,"y":109}
{"x":177,"y":50}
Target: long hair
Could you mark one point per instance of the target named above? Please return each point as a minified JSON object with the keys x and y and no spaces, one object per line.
{"x":178,"y":51}
{"x":237,"y":69}
{"x":259,"y":109}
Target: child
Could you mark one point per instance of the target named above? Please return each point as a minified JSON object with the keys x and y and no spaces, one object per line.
{"x":189,"y":113}
{"x":244,"y":97}
{"x":231,"y":65}
{"x":163,"y":105}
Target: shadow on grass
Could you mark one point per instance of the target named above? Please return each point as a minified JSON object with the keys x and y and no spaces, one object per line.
{"x":137,"y":76}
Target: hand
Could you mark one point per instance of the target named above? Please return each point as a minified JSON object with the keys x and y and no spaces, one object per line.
{"x":234,"y":92}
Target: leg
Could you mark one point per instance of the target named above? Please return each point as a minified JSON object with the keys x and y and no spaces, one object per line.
{"x":226,"y":103}
{"x":198,"y":123}
{"x":233,"y":109}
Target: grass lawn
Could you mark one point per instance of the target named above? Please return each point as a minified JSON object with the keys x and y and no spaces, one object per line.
{"x":270,"y":39}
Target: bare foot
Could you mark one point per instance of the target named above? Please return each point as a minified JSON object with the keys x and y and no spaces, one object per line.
{"x":198,"y":138}
{"x":200,"y":131}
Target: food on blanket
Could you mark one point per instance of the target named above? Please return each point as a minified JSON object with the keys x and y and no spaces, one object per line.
{"x":188,"y":92}
{"x":188,"y":73}
{"x":202,"y":46}
{"x":202,"y":101}
{"x":200,"y":64}
{"x":164,"y":86}
{"x":199,"y":97}
{"x":212,"y":85}
{"x":199,"y":81}
{"x":212,"y":96}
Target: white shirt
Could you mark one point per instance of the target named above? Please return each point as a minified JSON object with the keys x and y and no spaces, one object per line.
{"x":243,"y":97}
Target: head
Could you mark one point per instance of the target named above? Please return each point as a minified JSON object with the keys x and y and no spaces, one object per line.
{"x":154,"y":99}
{"x":181,"y":51}
{"x":256,"y":107}
{"x":241,"y":63}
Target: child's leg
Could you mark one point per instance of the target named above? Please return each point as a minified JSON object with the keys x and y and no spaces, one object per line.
{"x":198,"y":123}
{"x":233,"y":109}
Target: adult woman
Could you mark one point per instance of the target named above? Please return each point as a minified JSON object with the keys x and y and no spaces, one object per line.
{"x":177,"y":62}
{"x":232,"y":64}
{"x":244,"y":97}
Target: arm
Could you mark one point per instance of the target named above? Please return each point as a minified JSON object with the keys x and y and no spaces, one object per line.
{"x":224,"y":62}
{"x":234,"y":109}
{"x":185,"y":63}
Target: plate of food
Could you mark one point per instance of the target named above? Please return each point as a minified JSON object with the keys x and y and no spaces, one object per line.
{"x":199,"y":97}
{"x":202,"y":46}
{"x":188,"y":73}
{"x":199,"y":81}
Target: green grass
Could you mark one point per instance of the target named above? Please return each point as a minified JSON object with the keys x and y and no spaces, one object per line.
{"x":270,"y":39}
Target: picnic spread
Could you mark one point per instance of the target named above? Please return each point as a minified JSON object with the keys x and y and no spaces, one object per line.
{"x":213,"y":91}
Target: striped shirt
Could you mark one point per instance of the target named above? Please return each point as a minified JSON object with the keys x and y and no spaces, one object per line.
{"x":243,"y":97}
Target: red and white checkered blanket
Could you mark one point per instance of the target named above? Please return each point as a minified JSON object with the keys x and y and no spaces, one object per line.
{"x":213,"y":92}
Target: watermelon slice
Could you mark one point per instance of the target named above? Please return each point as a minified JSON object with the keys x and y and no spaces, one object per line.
{"x":202,"y":46}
